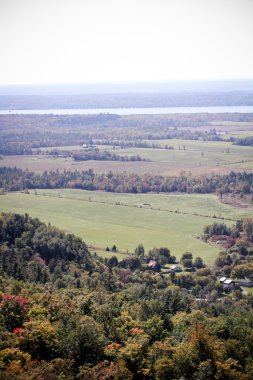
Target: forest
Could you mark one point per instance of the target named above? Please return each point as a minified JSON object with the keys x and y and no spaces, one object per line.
{"x":66,"y":314}
{"x":129,"y":99}
{"x":20,"y":134}
{"x":246,"y":141}
{"x":13,"y":179}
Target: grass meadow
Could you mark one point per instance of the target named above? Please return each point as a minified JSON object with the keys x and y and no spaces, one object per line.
{"x":197,"y":157}
{"x":126,"y":220}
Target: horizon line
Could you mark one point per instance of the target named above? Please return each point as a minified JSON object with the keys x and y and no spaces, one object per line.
{"x":125,"y":82}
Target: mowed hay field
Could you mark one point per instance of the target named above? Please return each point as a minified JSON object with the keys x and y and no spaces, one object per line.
{"x":103,"y":219}
{"x":197,"y":157}
{"x":39,"y":164}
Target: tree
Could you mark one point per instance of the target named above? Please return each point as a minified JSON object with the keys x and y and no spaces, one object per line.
{"x":205,"y":371}
{"x":247,"y":229}
{"x":187,"y":263}
{"x":134,"y":350}
{"x":13,"y":311}
{"x":139,"y":250}
{"x":104,"y":370}
{"x":81,"y":339}
{"x":184,"y":361}
{"x":217,"y":229}
{"x":12,"y":360}
{"x":174,"y":300}
{"x":131,"y":262}
{"x":202,"y":343}
{"x":185,"y":280}
{"x":114,"y":248}
{"x":186,"y":256}
{"x":186,"y":260}
{"x":164,"y":369}
{"x":39,"y":339}
{"x":105,"y":315}
{"x":242,"y":271}
{"x":198,"y":263}
{"x":161,"y":255}
{"x":113,"y":262}
{"x":155,"y":328}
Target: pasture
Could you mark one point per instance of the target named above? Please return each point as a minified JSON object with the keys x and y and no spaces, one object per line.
{"x":126,"y":220}
{"x":197,"y":157}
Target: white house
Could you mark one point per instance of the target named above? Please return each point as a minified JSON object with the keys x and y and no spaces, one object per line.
{"x":175,"y":268}
{"x":228,"y":284}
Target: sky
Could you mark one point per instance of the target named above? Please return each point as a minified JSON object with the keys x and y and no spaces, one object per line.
{"x":86,"y":41}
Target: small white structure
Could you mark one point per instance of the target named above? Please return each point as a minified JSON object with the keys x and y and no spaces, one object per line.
{"x":228,"y":284}
{"x":175,"y":268}
{"x":89,"y":146}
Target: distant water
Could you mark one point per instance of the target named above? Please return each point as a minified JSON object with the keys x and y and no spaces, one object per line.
{"x":132,"y":111}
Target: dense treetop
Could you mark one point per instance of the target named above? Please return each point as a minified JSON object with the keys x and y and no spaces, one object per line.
{"x":30,"y":249}
{"x":67,"y":315}
{"x":13,"y":179}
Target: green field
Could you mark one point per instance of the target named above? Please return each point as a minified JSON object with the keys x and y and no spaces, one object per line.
{"x":104,"y":219}
{"x":197,"y":157}
{"x":207,"y":153}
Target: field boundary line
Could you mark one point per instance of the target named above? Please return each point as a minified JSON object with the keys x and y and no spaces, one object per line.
{"x":136,"y":206}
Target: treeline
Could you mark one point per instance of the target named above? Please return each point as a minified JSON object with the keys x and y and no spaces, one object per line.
{"x":115,"y":100}
{"x":132,"y":144}
{"x":114,"y":322}
{"x":182,"y":134}
{"x":246,"y":141}
{"x":15,"y":148}
{"x":104,"y":156}
{"x":13,"y":179}
{"x":91,"y":154}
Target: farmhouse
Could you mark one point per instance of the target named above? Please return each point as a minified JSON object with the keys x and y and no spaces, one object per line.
{"x":152,"y":264}
{"x":175,"y":268}
{"x":228,"y":284}
{"x":89,"y":146}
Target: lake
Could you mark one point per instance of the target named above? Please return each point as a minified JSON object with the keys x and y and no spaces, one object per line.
{"x":132,"y":111}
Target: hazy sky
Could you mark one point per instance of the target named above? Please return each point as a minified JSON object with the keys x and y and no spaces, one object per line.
{"x":62,"y":41}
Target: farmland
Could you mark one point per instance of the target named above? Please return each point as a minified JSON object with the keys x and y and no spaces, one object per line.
{"x":190,"y":141}
{"x":198,"y":157}
{"x":104,"y":219}
{"x":198,"y":144}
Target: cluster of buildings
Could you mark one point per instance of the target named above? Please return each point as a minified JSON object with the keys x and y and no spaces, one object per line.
{"x":174,"y":268}
{"x":89,"y":146}
{"x":229,"y":284}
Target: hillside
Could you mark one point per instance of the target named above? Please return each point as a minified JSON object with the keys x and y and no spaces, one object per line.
{"x":67,"y":315}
